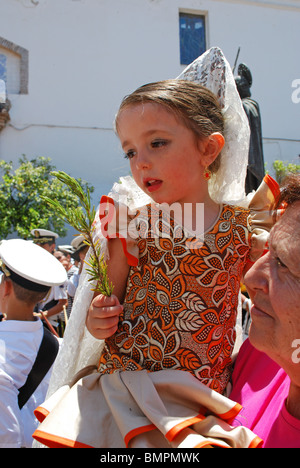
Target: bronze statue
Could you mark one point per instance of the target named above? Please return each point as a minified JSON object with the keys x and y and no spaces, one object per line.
{"x":256,"y":169}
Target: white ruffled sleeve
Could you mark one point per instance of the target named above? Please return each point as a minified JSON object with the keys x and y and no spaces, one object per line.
{"x":261,"y":217}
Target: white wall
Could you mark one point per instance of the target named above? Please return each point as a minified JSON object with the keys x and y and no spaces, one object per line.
{"x":85,"y":55}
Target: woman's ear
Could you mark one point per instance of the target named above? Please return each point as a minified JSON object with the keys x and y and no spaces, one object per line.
{"x":211,"y":147}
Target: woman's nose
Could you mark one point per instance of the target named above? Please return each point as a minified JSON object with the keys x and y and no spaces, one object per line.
{"x":257,"y":278}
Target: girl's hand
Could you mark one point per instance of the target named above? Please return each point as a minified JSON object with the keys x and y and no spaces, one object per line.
{"x":103,"y":316}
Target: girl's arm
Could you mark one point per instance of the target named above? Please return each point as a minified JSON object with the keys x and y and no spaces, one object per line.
{"x":103,"y":314}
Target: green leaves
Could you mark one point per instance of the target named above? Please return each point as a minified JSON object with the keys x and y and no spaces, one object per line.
{"x":22,"y":194}
{"x":82,"y":219}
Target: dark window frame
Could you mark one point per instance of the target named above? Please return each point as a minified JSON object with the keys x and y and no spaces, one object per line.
{"x":192,"y":44}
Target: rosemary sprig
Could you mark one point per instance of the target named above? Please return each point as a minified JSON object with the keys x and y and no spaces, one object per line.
{"x":82,"y":219}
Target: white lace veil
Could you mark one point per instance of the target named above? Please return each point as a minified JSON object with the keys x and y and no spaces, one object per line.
{"x":212,"y":70}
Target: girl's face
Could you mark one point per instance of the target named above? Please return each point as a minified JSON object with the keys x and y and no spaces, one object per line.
{"x":165,"y":157}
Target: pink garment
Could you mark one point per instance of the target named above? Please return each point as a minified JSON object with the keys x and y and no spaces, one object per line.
{"x":262,"y":387}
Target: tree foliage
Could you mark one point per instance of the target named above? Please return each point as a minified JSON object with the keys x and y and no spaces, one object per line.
{"x":22,"y":203}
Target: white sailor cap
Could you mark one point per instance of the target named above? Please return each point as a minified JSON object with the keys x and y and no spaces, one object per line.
{"x":68,"y":249}
{"x":78,"y":243}
{"x":43,"y":236}
{"x":30,"y":266}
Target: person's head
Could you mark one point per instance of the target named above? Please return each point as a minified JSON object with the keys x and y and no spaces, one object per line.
{"x":63,"y":254}
{"x":80,"y":249}
{"x":242,"y":87}
{"x":273,"y":284}
{"x":244,"y":81}
{"x":188,"y":110}
{"x":45,"y":239}
{"x":28,"y":297}
{"x":27,"y":273}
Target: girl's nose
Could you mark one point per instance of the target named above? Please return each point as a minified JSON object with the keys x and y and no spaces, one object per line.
{"x":142,"y":160}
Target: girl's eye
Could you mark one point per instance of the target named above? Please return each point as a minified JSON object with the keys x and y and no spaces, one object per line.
{"x":129,"y":154}
{"x":159,"y":143}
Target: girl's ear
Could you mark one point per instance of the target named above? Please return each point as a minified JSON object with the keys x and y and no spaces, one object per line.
{"x":211,"y":147}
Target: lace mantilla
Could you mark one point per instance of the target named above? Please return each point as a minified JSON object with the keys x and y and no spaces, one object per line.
{"x":214,"y":72}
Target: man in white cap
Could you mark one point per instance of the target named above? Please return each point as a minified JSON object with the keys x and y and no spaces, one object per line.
{"x":64,"y":255}
{"x":79,"y":253}
{"x":53,"y":304}
{"x":27,"y":349}
{"x":45,"y":239}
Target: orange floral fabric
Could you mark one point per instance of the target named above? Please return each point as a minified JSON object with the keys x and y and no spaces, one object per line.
{"x":181,"y":300}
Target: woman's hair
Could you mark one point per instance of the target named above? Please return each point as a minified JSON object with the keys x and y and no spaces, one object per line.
{"x":289,"y":190}
{"x":194,"y":104}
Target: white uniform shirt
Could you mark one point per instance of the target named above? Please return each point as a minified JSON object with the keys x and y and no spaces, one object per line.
{"x":73,"y":284}
{"x":19,"y":345}
{"x":56,"y":293}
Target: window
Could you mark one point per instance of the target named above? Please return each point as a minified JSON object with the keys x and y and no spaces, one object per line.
{"x":13,"y":67}
{"x":3,"y":66}
{"x":192,"y":37}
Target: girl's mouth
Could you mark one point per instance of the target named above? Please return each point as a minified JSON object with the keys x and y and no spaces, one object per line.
{"x":152,"y":184}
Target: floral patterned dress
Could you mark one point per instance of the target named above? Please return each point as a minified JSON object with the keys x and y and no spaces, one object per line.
{"x":181,"y":300}
{"x":161,"y":378}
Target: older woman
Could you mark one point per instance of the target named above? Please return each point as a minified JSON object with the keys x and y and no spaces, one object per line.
{"x":266,"y":379}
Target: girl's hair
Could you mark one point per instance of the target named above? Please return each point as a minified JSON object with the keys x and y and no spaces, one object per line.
{"x":194,"y":104}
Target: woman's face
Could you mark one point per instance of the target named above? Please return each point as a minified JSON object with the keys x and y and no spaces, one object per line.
{"x":273,"y":284}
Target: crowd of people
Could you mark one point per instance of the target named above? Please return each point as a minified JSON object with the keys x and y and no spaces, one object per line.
{"x":56,"y":307}
{"x":38,"y":280}
{"x":164,"y":358}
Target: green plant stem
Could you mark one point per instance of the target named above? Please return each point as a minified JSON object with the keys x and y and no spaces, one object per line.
{"x":83,"y":223}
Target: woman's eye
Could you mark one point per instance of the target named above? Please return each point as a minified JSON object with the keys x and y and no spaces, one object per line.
{"x":129,"y":154}
{"x":280,"y":263}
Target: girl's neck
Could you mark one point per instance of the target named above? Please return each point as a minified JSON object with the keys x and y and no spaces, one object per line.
{"x":198,"y":217}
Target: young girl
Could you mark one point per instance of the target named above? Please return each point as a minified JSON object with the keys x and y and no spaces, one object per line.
{"x":172,"y":134}
{"x":177,"y":281}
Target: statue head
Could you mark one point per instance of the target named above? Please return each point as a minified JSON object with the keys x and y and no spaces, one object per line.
{"x":243,"y":81}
